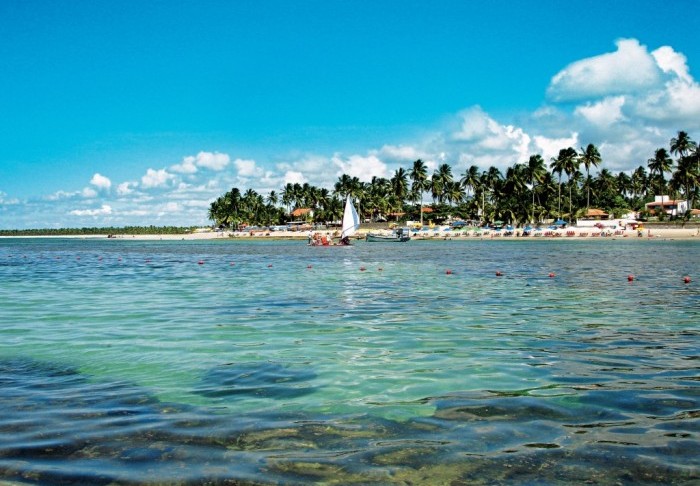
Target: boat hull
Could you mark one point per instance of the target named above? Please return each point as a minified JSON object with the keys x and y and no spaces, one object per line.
{"x":386,"y":239}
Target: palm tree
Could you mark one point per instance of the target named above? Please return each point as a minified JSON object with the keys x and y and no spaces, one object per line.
{"x":419,"y":178}
{"x":682,"y":145}
{"x":470,"y":179}
{"x":399,"y":184}
{"x":685,"y":177}
{"x":639,"y":181}
{"x":590,"y":157}
{"x":535,"y":171}
{"x":660,"y":164}
{"x":562,"y":163}
{"x":571,"y":165}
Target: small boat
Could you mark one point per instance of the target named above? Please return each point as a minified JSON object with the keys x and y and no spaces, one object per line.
{"x":351,"y":223}
{"x":400,"y":235}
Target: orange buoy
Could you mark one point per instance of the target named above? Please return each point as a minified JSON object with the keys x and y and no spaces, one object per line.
{"x":630,"y":278}
{"x":686,"y":279}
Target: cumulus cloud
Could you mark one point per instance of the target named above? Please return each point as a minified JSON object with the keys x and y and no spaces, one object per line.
{"x":209,"y":160}
{"x":628,"y":69}
{"x":401,"y":152}
{"x":156,"y":178}
{"x":670,"y":61}
{"x":88,"y":193}
{"x":602,"y":113}
{"x":294,"y":177}
{"x":125,"y":188}
{"x":247,"y":168}
{"x":549,"y":147}
{"x":364,"y":168}
{"x":102,"y":211}
{"x":100,"y":181}
{"x":480,"y":134}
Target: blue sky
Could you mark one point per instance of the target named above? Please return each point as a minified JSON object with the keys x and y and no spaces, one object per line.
{"x":143,"y":112}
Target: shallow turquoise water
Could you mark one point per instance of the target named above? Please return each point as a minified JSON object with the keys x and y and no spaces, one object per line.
{"x":268,"y":362}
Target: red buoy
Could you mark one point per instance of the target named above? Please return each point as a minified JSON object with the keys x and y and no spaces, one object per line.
{"x":686,"y":279}
{"x":362,"y":269}
{"x":551,"y":275}
{"x":499,"y":273}
{"x":200,"y":262}
{"x":448,"y":272}
{"x":630,"y":278}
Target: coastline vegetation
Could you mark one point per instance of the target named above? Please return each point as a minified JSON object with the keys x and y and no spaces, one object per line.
{"x":528,"y":192}
{"x":126,"y":230}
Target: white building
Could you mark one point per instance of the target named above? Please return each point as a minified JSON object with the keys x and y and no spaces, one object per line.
{"x":672,"y":207}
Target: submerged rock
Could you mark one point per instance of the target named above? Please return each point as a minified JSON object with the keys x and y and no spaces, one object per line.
{"x":261,"y":380}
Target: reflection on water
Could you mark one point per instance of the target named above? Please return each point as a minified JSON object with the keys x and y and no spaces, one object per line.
{"x":275,"y":363}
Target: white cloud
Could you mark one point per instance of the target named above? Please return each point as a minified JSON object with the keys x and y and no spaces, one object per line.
{"x":626,"y":70}
{"x":294,"y":177}
{"x":247,"y":168}
{"x":88,"y":193}
{"x":156,"y":178}
{"x":125,"y":188}
{"x":550,"y":147}
{"x":364,"y":168}
{"x":602,"y":113}
{"x":670,"y":61}
{"x":400,"y":152}
{"x":100,"y":181}
{"x":104,"y":210}
{"x":213,"y":161}
{"x":209,"y":160}
{"x":478,"y":133}
{"x":187,"y":166}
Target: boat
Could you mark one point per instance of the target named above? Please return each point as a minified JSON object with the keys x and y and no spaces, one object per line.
{"x":351,"y":223}
{"x":400,"y":235}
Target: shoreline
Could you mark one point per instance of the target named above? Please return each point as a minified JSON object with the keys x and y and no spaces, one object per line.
{"x":572,"y":233}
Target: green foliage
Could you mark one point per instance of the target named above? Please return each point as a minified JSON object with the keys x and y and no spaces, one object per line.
{"x":110,"y":230}
{"x":527,"y":192}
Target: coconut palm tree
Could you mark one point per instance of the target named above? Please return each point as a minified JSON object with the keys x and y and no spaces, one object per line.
{"x":681,"y":146}
{"x":639,"y":181}
{"x":419,"y":182}
{"x":535,"y":171}
{"x":590,"y":157}
{"x":562,"y":163}
{"x":660,"y":164}
{"x":399,"y":184}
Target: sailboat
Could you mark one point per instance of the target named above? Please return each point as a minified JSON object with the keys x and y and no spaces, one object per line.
{"x":351,"y":222}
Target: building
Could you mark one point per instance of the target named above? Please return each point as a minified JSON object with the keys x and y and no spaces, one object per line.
{"x":672,"y":207}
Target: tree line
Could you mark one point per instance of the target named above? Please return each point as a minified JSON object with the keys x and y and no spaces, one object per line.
{"x":110,"y":230}
{"x":528,"y":192}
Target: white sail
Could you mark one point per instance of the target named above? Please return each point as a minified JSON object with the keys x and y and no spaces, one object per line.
{"x":351,"y":221}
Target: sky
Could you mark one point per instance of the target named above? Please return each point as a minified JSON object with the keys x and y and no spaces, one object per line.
{"x":142,"y":112}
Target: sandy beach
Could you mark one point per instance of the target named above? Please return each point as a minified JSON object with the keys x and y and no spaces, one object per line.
{"x":572,"y":233}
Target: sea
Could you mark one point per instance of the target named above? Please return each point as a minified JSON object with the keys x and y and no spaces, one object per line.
{"x":269,"y":362}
